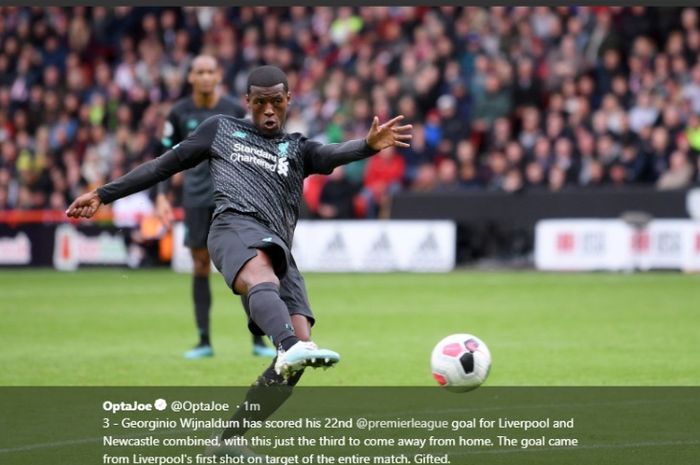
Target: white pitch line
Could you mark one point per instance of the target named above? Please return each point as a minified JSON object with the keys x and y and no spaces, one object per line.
{"x":48,"y":445}
{"x":70,"y":442}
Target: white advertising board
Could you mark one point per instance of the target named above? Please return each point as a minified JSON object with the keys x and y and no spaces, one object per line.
{"x":360,"y":246}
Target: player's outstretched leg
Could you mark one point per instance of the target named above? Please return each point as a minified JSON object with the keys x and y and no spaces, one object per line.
{"x":270,"y":313}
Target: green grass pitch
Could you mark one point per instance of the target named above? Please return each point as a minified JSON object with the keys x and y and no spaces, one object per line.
{"x":114,"y":327}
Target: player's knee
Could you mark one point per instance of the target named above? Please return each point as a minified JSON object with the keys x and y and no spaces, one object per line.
{"x":201,"y":262}
{"x":252,"y":279}
{"x":201,"y":269}
{"x":256,"y":271}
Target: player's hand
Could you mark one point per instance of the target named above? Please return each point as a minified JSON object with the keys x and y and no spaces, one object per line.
{"x":84,"y":206}
{"x":164,"y":211}
{"x":389,"y":134}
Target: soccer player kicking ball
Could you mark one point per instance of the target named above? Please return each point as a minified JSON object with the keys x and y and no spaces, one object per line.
{"x":258,"y":170}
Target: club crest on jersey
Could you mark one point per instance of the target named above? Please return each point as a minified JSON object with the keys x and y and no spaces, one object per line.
{"x":283,"y":167}
{"x":282,"y":147}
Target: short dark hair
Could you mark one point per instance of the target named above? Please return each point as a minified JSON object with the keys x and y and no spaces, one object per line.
{"x":204,"y":55}
{"x":267,"y":76}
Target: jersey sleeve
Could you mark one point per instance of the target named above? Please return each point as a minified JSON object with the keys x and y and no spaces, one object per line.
{"x":323,"y":159}
{"x":188,"y":153}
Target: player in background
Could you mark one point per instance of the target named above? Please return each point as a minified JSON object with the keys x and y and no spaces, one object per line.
{"x":198,"y":192}
{"x":258,"y":172}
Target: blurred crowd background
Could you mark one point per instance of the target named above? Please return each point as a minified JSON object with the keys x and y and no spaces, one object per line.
{"x":510,"y":99}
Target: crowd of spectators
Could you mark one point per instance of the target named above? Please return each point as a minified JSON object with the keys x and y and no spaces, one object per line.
{"x":502,"y":99}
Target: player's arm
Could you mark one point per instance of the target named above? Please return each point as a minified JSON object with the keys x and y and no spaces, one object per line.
{"x":319,"y":158}
{"x":190,"y":152}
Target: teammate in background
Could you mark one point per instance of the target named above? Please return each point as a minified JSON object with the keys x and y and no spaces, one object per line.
{"x":258,"y":172}
{"x":198,"y":192}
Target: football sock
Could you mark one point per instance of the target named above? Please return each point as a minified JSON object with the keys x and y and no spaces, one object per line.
{"x":269,"y":392}
{"x":202,"y":303}
{"x":258,"y":340}
{"x":270,"y":313}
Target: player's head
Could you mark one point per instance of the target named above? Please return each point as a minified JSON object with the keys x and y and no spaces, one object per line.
{"x":204,"y":74}
{"x":268,"y":97}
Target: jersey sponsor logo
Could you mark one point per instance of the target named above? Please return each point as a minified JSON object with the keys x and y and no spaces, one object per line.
{"x":247,"y":154}
{"x":242,"y":149}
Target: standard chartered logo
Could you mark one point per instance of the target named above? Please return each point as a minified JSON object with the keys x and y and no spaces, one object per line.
{"x":262,"y":158}
{"x":240,"y":149}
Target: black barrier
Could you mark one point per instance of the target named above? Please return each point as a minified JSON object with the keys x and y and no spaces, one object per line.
{"x":27,"y":244}
{"x":35,"y":244}
{"x":500,"y":224}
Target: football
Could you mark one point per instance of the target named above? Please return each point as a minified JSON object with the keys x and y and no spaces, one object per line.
{"x":460,"y":362}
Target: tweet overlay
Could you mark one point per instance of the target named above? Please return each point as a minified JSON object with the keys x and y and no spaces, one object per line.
{"x":276,"y":425}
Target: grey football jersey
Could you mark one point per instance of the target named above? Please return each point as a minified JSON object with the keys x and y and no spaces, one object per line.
{"x":183,"y":119}
{"x":253,"y":175}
